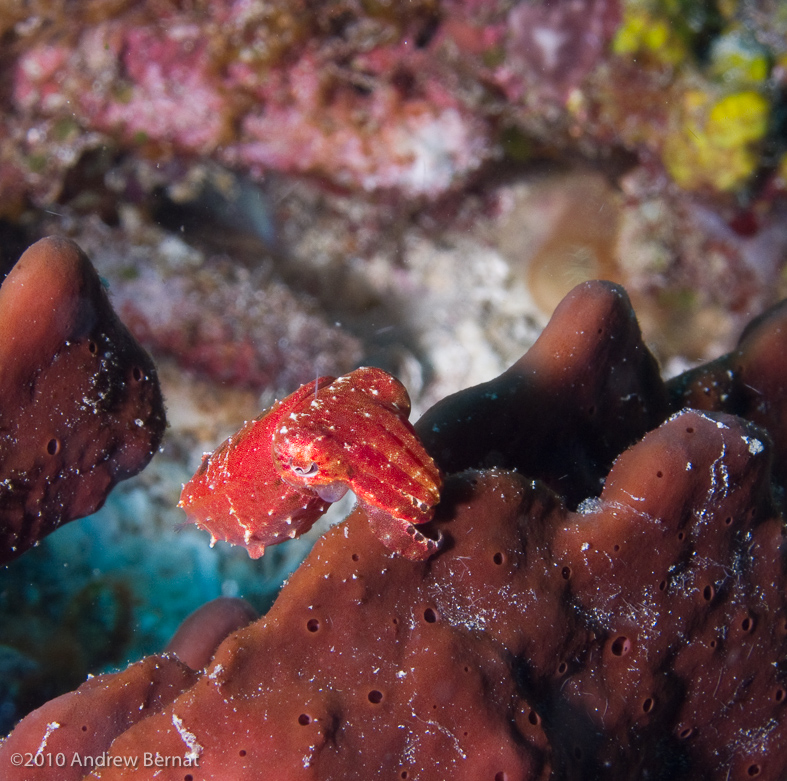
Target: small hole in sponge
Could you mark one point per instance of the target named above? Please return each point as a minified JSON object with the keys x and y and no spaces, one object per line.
{"x":621,"y":646}
{"x":53,"y":447}
{"x":566,"y":573}
{"x":242,"y":752}
{"x":659,"y":474}
{"x":404,"y":774}
{"x":686,"y":733}
{"x":662,"y":585}
{"x":84,"y":726}
{"x":137,"y":374}
{"x":562,"y":668}
{"x":728,"y":520}
{"x":748,"y":624}
{"x":778,"y":695}
{"x":501,"y":776}
{"x":355,"y":557}
{"x":375,"y":697}
{"x":92,"y":346}
{"x":430,"y":616}
{"x":313,"y":625}
{"x":304,"y":719}
{"x":753,"y":770}
{"x":648,"y":705}
{"x":689,"y":430}
{"x":708,"y":593}
{"x":498,"y":558}
{"x":188,"y":777}
{"x":534,"y":718}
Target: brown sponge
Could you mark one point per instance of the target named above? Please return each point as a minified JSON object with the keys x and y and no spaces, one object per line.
{"x":639,"y":634}
{"x":80,"y":403}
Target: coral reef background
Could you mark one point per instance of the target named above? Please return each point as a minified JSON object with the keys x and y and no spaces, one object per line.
{"x":275,"y":191}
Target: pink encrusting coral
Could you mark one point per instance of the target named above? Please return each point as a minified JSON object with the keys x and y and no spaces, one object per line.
{"x":643,"y":633}
{"x":365,"y":112}
{"x":313,"y":118}
{"x":170,"y":94}
{"x":552,"y":47}
{"x":144,"y":82}
{"x":402,"y":97}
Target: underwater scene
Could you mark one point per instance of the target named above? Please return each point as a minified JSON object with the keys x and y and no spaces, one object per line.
{"x":393,"y":389}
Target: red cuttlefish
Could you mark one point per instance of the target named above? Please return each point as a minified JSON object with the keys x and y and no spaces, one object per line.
{"x":275,"y":477}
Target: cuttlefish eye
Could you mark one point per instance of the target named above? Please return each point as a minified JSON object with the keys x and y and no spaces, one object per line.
{"x":305,"y":471}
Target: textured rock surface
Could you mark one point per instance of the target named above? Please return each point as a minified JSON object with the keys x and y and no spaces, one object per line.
{"x":81,"y":405}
